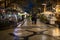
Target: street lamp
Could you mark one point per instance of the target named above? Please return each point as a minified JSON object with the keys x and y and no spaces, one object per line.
{"x":44,"y":7}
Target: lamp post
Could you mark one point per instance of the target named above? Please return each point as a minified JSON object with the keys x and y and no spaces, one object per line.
{"x":44,"y":7}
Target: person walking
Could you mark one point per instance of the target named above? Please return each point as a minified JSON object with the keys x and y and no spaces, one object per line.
{"x":34,"y":18}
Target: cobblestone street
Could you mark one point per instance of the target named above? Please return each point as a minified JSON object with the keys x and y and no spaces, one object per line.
{"x":29,"y":31}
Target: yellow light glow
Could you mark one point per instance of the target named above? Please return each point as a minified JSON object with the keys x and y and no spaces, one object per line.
{"x":57,"y":8}
{"x":56,"y":32}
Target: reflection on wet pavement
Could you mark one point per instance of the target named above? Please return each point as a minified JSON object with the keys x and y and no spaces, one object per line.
{"x":49,"y":34}
{"x":41,"y":37}
{"x":30,"y":31}
{"x":56,"y":32}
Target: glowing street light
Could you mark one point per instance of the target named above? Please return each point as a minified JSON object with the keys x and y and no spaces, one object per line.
{"x":57,"y":8}
{"x":44,"y":7}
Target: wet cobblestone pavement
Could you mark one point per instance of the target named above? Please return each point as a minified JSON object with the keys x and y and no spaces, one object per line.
{"x":29,"y":31}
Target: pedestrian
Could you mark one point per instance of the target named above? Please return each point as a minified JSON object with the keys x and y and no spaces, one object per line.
{"x":22,"y":17}
{"x":34,"y":18}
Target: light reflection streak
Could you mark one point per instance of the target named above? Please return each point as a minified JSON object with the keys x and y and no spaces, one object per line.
{"x":19,"y":24}
{"x":17,"y":33}
{"x":56,"y":32}
{"x":17,"y":29}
